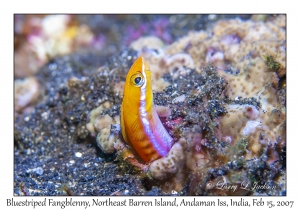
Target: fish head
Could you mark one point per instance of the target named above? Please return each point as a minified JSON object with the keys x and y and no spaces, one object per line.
{"x":138,"y":90}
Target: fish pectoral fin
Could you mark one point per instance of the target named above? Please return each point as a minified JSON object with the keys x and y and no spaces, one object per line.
{"x":137,"y":132}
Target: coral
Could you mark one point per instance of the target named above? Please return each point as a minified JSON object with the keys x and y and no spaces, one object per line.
{"x":163,"y":111}
{"x":149,"y":42}
{"x":185,"y":155}
{"x":159,"y":85}
{"x":102,"y":122}
{"x":28,"y":58}
{"x":251,"y":57}
{"x":175,"y":64}
{"x":109,"y":139}
{"x":174,"y":162}
{"x":94,"y":114}
{"x":26,"y":92}
{"x":235,"y":39}
{"x":48,"y":36}
{"x":250,"y":49}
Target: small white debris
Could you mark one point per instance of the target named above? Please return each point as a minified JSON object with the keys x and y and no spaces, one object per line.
{"x":78,"y":154}
{"x":39,"y":170}
{"x":28,"y":151}
{"x":44,"y":115}
{"x":179,"y":98}
{"x":174,"y":192}
{"x":212,"y":17}
{"x":227,"y":139}
{"x":250,"y":127}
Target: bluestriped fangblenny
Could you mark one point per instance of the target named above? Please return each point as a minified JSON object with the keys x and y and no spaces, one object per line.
{"x":141,"y":126}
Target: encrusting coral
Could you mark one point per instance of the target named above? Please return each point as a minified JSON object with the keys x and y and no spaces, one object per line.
{"x":26,"y":92}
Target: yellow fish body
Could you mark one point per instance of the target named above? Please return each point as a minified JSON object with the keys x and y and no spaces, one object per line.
{"x":141,"y":126}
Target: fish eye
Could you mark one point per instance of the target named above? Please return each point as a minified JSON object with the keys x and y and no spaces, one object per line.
{"x":137,"y":80}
